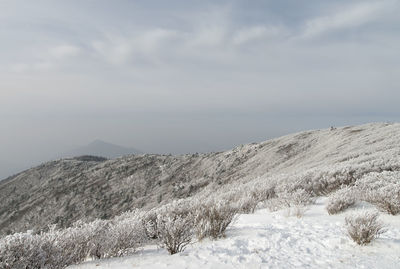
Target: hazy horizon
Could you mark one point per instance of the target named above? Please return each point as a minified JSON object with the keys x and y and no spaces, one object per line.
{"x":190,"y":76}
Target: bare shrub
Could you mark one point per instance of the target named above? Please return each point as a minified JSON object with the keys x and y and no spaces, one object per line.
{"x":174,"y":228}
{"x":341,"y":200}
{"x":364,"y":227}
{"x":212,"y":219}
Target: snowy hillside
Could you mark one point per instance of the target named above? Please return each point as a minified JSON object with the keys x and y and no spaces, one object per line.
{"x":275,"y":240}
{"x":302,"y":189}
{"x":76,"y":189}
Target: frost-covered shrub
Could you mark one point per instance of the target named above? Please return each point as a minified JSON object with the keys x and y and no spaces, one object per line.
{"x":382,"y":190}
{"x":389,"y":205}
{"x":273,"y":204}
{"x":98,"y":232}
{"x":297,"y":197}
{"x":74,"y":243}
{"x":341,"y":200}
{"x":300,"y":197}
{"x":60,"y":248}
{"x":25,"y":250}
{"x":53,"y":250}
{"x":364,"y":227}
{"x":386,"y":202}
{"x":317,"y":181}
{"x":329,"y":183}
{"x":296,"y":202}
{"x":149,"y":223}
{"x":123,"y":235}
{"x":250,"y":199}
{"x":212,"y":219}
{"x":174,"y":227}
{"x":386,"y":199}
{"x":247,"y":204}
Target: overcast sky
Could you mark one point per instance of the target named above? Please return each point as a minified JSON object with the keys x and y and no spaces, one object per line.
{"x":190,"y":76}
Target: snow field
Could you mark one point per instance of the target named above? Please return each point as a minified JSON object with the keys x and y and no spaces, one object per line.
{"x":274,"y":240}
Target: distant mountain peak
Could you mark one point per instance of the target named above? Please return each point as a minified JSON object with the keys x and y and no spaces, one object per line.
{"x":99,"y":141}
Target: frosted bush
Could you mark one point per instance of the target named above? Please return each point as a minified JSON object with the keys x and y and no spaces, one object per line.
{"x":247,"y":204}
{"x":273,"y":204}
{"x":341,"y":200}
{"x":174,"y":227}
{"x":382,"y":190}
{"x":60,"y":248}
{"x":213,"y":218}
{"x":387,"y":199}
{"x":74,"y":243}
{"x":53,"y":250}
{"x":123,"y":238}
{"x":364,"y":227}
{"x":149,"y":223}
{"x":295,"y":203}
{"x":98,"y":232}
{"x":250,"y":199}
{"x":300,"y":197}
{"x":24,"y":250}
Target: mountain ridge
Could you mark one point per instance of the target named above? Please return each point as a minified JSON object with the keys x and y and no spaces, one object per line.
{"x":67,"y":190}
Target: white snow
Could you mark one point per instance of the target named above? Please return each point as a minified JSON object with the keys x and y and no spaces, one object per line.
{"x":274,"y":240}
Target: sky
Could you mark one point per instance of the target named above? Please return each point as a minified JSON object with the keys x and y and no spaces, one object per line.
{"x":190,"y":76}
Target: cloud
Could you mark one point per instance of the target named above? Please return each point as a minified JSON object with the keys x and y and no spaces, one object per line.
{"x":349,"y":17}
{"x":64,"y":51}
{"x":164,"y":75}
{"x":121,"y":49}
{"x":254,"y":33}
{"x":46,"y":59}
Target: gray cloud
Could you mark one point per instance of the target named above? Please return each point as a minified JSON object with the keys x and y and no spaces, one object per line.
{"x":174,"y":76}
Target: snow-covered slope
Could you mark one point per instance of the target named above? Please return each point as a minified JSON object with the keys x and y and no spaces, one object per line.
{"x":365,"y":157}
{"x":275,"y":240}
{"x":66,"y":190}
{"x":360,"y":163}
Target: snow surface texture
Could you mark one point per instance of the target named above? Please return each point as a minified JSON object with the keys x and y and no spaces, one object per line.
{"x":273,"y":240}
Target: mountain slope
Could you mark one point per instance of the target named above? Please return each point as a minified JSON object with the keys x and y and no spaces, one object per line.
{"x":70,"y":189}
